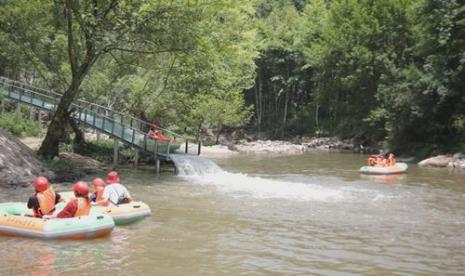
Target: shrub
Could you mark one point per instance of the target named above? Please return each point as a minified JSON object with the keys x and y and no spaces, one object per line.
{"x":19,"y":127}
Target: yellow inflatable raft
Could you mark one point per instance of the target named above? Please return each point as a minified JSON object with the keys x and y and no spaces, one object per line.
{"x":122,"y":214}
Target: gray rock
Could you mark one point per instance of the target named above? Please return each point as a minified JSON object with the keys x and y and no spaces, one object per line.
{"x":19,"y":164}
{"x":459,"y":155}
{"x":439,"y":161}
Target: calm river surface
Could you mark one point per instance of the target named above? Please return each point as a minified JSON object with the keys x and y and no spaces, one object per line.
{"x":305,"y":214}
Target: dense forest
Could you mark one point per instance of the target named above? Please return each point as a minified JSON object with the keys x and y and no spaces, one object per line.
{"x":388,"y":71}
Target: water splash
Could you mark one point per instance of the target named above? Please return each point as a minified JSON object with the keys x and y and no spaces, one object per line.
{"x":205,"y":172}
{"x":194,"y":165}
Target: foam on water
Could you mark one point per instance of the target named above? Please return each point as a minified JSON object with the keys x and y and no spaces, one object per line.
{"x":241,"y":185}
{"x":205,"y":172}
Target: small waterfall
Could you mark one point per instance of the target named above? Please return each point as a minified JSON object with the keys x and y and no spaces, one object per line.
{"x":194,"y":165}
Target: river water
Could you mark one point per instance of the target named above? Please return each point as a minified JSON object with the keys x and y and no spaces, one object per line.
{"x":304,"y":214}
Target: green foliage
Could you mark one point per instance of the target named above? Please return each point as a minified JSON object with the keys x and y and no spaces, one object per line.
{"x":21,"y":127}
{"x":221,"y":111}
{"x":386,"y":70}
{"x":103,"y":151}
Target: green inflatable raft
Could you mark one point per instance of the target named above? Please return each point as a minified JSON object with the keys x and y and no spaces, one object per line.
{"x":17,"y":220}
{"x":396,"y":169}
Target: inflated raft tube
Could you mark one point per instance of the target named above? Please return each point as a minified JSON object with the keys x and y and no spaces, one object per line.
{"x":125,"y":213}
{"x":396,"y":169}
{"x":16,"y":220}
{"x":122,"y":214}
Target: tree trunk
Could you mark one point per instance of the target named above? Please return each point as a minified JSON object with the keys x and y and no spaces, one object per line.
{"x":79,"y":135}
{"x":286,"y":101}
{"x":220,"y":130}
{"x":56,"y":130}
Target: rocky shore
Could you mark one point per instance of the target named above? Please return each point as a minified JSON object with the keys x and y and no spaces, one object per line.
{"x":18,"y":163}
{"x":445,"y":161}
{"x":296,"y":147}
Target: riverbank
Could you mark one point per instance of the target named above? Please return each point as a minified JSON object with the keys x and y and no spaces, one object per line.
{"x":19,"y":163}
{"x":298,"y":146}
{"x":71,"y":166}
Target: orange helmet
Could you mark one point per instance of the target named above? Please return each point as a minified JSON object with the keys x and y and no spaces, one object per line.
{"x":112,"y":177}
{"x":98,"y":182}
{"x":81,"y":188}
{"x":41,"y":184}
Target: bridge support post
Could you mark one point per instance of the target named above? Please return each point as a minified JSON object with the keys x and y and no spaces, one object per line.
{"x":115,"y":153}
{"x":18,"y":111}
{"x":98,"y":136}
{"x":136,"y":158}
{"x":39,"y":122}
{"x":157,"y":162}
{"x":3,"y":105}
{"x":31,"y":113}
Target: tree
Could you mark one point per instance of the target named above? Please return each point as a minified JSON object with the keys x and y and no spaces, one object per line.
{"x":91,"y":30}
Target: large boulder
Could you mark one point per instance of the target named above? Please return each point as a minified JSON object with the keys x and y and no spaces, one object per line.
{"x":439,"y":161}
{"x":18,"y":163}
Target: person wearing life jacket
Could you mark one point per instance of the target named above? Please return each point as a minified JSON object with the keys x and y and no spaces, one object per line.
{"x":371,"y":161}
{"x":114,"y":193}
{"x":99,"y":186}
{"x":391,"y":161}
{"x":44,"y":200}
{"x":157,"y":135}
{"x":77,"y":207}
{"x":380,"y":161}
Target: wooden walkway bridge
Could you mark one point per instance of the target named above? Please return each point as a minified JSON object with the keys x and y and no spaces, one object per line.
{"x":119,"y":126}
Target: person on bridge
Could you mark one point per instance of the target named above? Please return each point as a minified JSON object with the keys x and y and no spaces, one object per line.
{"x":78,"y":207}
{"x":155,"y":134}
{"x":44,"y":199}
{"x":114,"y":193}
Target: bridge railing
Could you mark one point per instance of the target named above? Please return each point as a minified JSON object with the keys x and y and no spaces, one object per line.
{"x":125,"y":127}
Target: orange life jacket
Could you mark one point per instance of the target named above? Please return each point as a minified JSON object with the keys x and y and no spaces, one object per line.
{"x":83,"y":207}
{"x":46,"y":202}
{"x":371,"y":161}
{"x":390,"y":162}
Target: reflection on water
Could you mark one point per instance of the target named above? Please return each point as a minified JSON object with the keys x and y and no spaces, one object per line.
{"x":305,"y":214}
{"x":385,"y":179}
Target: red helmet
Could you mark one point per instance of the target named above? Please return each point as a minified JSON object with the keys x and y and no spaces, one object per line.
{"x":41,"y":184}
{"x":112,"y":177}
{"x":98,"y":182}
{"x":81,"y":188}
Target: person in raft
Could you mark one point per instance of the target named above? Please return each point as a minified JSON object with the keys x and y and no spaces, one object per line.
{"x":99,"y":187}
{"x":44,"y":199}
{"x":114,"y":192}
{"x":78,"y":207}
{"x":381,"y":161}
{"x":391,"y":160}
